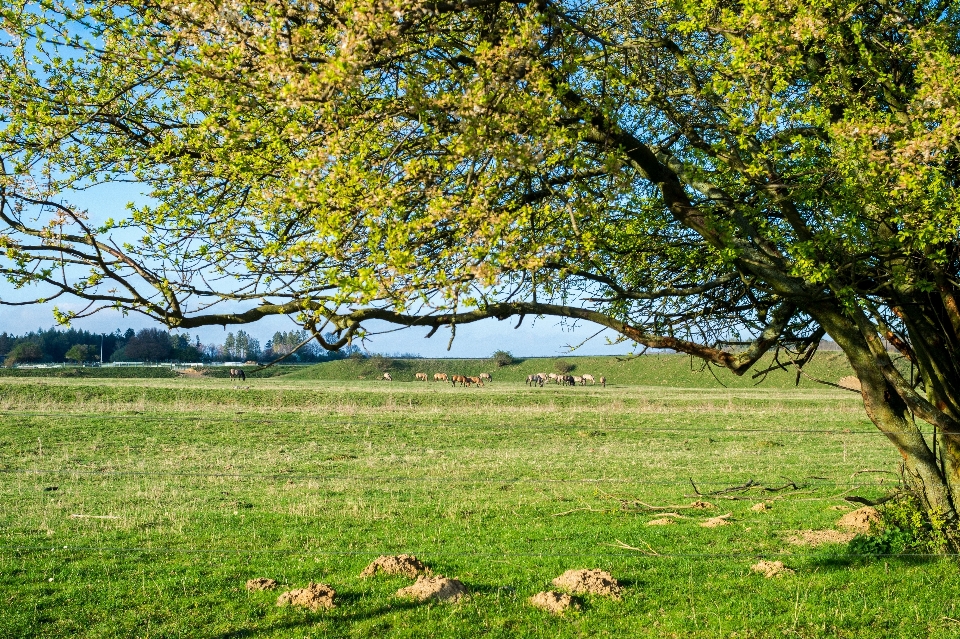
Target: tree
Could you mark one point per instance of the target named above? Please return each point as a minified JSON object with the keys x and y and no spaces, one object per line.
{"x":23,"y":352}
{"x":722,"y":179}
{"x":149,"y":344}
{"x":230,"y":345}
{"x":502,"y":358}
{"x":80,"y":353}
{"x":563,"y":367}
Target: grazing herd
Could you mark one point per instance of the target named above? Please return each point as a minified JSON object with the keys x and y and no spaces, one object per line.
{"x":537,"y":379}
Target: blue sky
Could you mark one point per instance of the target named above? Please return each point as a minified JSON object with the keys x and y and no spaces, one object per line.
{"x":543,"y":337}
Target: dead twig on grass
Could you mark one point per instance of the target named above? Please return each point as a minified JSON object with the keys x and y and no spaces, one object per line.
{"x":639,"y":505}
{"x":650,"y":551}
{"x":749,"y":485}
{"x":875,"y":470}
{"x":790,"y":484}
{"x":577,"y":510}
{"x":94,"y":517}
{"x":733,"y":489}
{"x":849,"y":490}
{"x":866,"y":502}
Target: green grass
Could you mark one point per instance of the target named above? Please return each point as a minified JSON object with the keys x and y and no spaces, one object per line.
{"x":186,"y":488}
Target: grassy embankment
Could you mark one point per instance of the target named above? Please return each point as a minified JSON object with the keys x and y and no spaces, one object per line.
{"x":140,"y":507}
{"x":676,"y":371}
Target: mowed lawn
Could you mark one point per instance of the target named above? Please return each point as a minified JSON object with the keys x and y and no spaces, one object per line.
{"x":139,"y":508}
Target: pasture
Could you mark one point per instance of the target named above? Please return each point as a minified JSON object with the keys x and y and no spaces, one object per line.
{"x":140,"y":507}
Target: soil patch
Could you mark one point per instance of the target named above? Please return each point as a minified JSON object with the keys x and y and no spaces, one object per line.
{"x":860,"y":520}
{"x":850,"y":382}
{"x":314,"y":597}
{"x":770,"y":569}
{"x":438,"y":588}
{"x":701,"y":504}
{"x":406,"y":565}
{"x":713,"y":522}
{"x":759,"y":508}
{"x":555,"y":602}
{"x":261,"y":583}
{"x":590,"y":582}
{"x":663,"y":521}
{"x":820,"y":537}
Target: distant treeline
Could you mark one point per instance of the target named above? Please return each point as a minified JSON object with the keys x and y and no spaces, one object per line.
{"x":156,"y":345}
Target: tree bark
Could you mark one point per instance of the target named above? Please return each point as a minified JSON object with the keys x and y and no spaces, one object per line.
{"x":891,"y":415}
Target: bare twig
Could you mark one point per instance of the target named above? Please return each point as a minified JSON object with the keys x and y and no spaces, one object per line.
{"x":577,"y":510}
{"x":649,"y":551}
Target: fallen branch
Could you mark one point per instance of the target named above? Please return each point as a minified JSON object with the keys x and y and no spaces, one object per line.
{"x":577,"y":510}
{"x":790,"y":484}
{"x":625,"y":504}
{"x":624,"y":546}
{"x":849,"y":490}
{"x":866,"y":502}
{"x":733,"y":489}
{"x":874,"y":470}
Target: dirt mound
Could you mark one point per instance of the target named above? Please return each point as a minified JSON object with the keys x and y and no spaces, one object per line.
{"x":314,"y":597}
{"x":663,"y":521}
{"x":820,"y":537}
{"x":770,"y":569}
{"x":439,"y":588}
{"x":261,"y":583}
{"x":555,"y":602}
{"x":860,"y":520}
{"x":701,"y":504}
{"x":590,"y":582}
{"x":713,"y":522}
{"x":406,"y":565}
{"x":759,"y":508}
{"x":850,"y":382}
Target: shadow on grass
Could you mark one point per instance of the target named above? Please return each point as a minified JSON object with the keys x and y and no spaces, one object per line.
{"x":842,"y":558}
{"x":343,"y":600}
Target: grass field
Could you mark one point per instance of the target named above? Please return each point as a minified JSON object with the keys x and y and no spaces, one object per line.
{"x":140,"y":508}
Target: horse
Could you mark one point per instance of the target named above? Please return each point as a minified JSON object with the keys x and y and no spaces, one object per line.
{"x":439,"y":377}
{"x":237,"y":373}
{"x":387,"y":378}
{"x":421,"y":377}
{"x":589,"y":378}
{"x":486,"y":376}
{"x":458,"y":378}
{"x":475,"y":380}
{"x":603,"y":381}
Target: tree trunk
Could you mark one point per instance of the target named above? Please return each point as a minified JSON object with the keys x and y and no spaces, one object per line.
{"x":936,"y":490}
